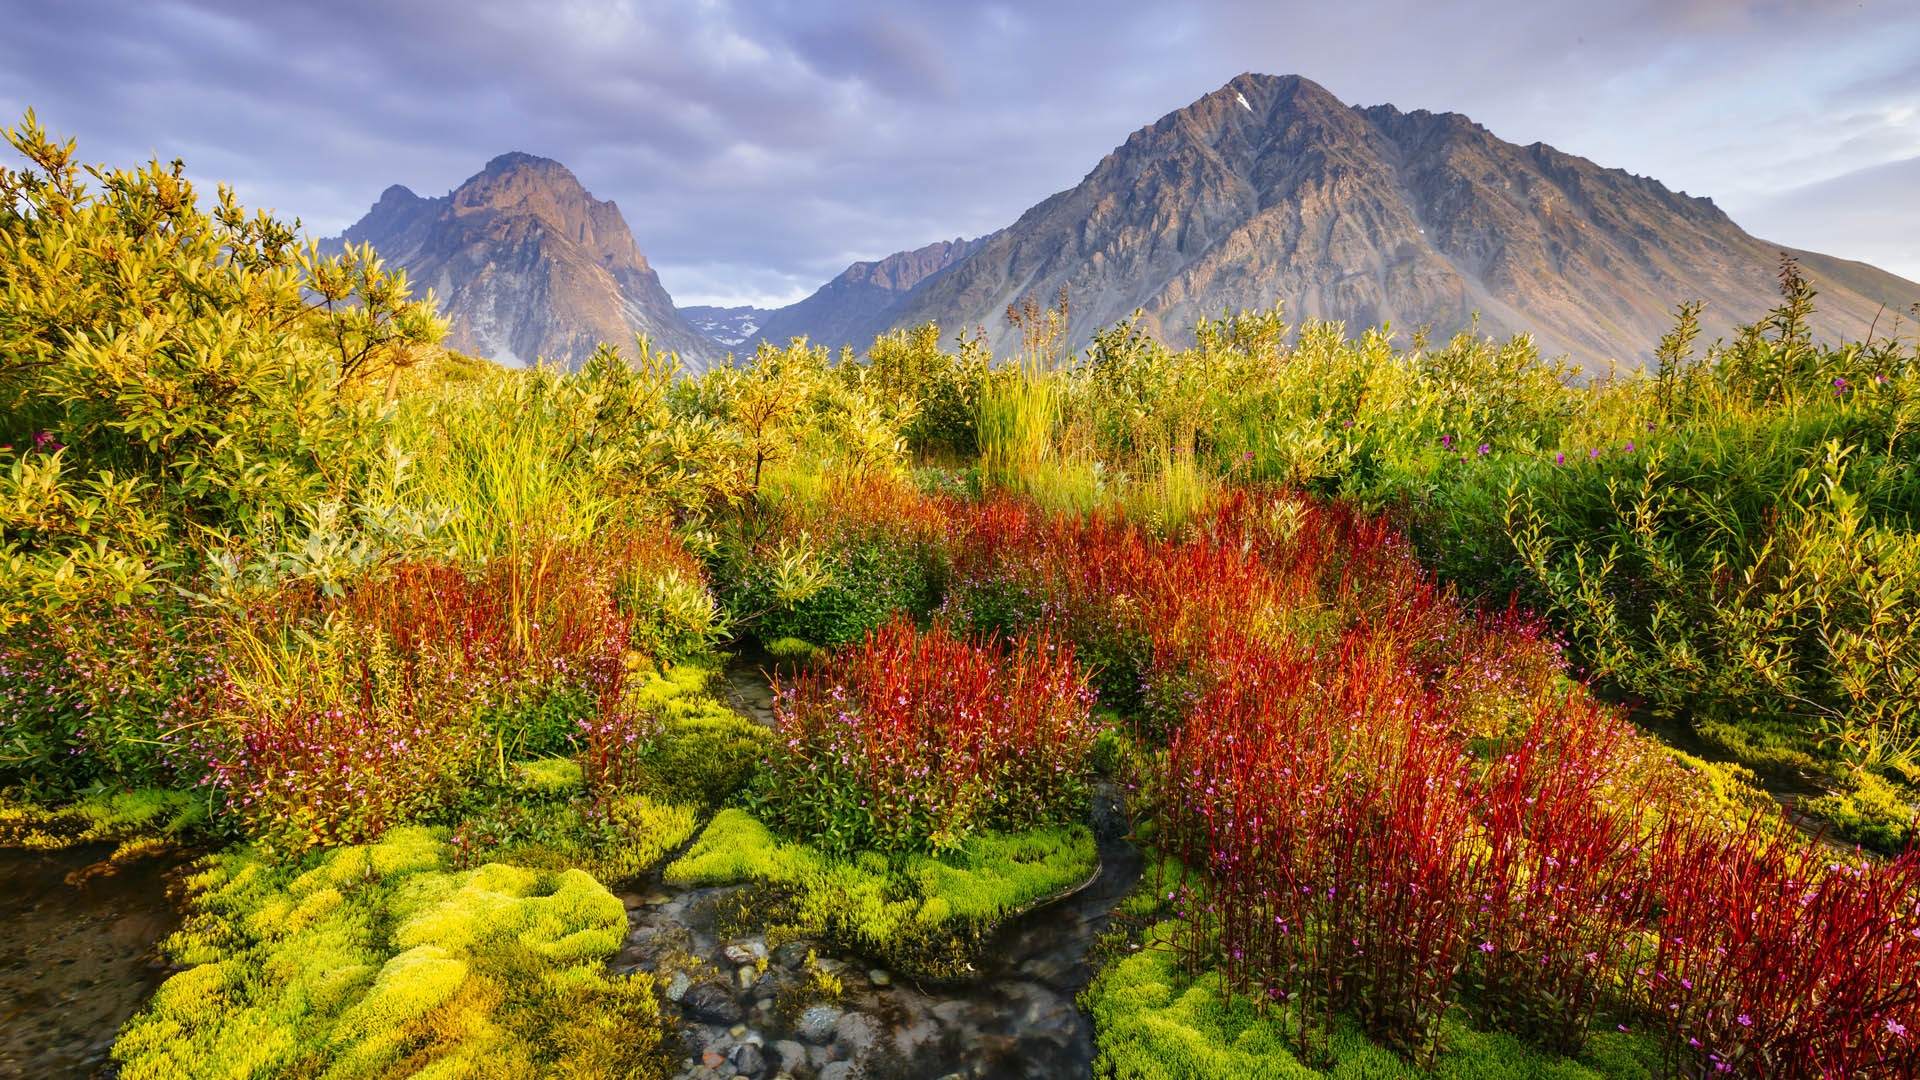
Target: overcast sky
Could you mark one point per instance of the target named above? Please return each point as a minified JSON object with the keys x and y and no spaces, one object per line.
{"x":759,"y":147}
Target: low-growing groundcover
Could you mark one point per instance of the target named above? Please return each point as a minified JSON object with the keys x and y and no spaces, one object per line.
{"x":927,"y":915}
{"x":1157,"y":1022}
{"x":380,"y":960}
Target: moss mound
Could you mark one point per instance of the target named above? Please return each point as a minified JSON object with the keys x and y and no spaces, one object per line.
{"x":1156,"y":1022}
{"x":705,"y":752}
{"x":138,"y":821}
{"x":923,"y":914}
{"x":378,"y":960}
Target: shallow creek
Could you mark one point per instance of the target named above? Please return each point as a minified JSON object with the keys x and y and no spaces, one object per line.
{"x":78,"y":937}
{"x":1018,"y":1019}
{"x":77,"y":954}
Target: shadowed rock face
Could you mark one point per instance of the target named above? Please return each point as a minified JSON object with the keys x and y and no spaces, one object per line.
{"x":527,"y":264}
{"x":1270,"y":190}
{"x":866,"y":299}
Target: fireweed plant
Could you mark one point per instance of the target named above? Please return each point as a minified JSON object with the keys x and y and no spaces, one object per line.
{"x":1392,"y":808}
{"x":339,"y":718}
{"x":913,"y":741}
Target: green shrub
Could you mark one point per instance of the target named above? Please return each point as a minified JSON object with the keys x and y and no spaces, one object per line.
{"x":204,"y":370}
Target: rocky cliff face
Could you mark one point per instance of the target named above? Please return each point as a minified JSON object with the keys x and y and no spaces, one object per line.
{"x":866,"y":299}
{"x":527,"y":264}
{"x":1270,"y":190}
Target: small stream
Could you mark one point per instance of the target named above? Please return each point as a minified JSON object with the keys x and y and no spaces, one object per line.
{"x":78,"y":937}
{"x":1017,"y":1021}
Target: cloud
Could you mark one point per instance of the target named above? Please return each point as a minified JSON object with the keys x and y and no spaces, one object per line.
{"x":756,"y":145}
{"x":1869,"y":214}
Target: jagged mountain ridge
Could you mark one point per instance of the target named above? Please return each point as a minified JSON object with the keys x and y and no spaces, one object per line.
{"x":526,"y":263}
{"x":865,"y":299}
{"x":1271,"y":190}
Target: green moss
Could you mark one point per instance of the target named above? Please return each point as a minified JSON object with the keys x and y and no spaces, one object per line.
{"x":549,"y":778}
{"x":794,"y":650}
{"x":1874,"y":811}
{"x":1152,"y":1020}
{"x":920,"y":913}
{"x":136,"y":820}
{"x":705,"y":752}
{"x":381,"y":960}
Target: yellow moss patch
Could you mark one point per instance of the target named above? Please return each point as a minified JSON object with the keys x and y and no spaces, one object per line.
{"x":379,"y":960}
{"x":922,"y":913}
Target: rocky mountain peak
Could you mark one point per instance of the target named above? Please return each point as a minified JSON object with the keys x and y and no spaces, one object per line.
{"x":527,"y":263}
{"x":1271,"y":190}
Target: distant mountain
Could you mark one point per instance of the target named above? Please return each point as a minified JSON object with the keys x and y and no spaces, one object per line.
{"x":866,"y":299}
{"x":1271,"y":190}
{"x":527,"y":264}
{"x":730,"y":327}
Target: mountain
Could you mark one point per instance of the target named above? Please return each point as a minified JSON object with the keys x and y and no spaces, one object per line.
{"x":527,"y":264}
{"x":1271,"y":190}
{"x":866,"y":299}
{"x":729,"y":327}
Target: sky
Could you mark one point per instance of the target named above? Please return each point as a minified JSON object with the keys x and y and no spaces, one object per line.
{"x":757,"y":148}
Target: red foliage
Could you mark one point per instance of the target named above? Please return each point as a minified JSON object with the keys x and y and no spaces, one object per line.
{"x":910,"y":740}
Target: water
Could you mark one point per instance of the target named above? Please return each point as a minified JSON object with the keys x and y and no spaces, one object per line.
{"x":78,"y":957}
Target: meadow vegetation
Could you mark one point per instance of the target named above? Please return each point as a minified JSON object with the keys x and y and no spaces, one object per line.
{"x":1359,"y":626}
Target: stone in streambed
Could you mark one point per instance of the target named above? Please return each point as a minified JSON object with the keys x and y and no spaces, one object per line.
{"x":855,"y":1034}
{"x":816,"y":1022}
{"x":748,"y":1060}
{"x":792,"y":1056}
{"x":713,"y":1003}
{"x":791,"y":955}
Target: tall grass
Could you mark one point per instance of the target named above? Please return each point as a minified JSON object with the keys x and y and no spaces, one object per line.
{"x":499,"y":456}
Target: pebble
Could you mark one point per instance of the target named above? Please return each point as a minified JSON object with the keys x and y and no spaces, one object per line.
{"x":879,"y":977}
{"x":738,"y":954}
{"x":816,"y":1023}
{"x":855,"y":1034}
{"x":748,"y":1060}
{"x":713,"y":1003}
{"x":792,"y":1055}
{"x":738,"y":1031}
{"x":678,"y":986}
{"x":747,"y":976}
{"x":791,"y":955}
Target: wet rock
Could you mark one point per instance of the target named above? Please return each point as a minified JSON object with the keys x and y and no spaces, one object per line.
{"x":748,"y":1060}
{"x":855,"y":1034}
{"x":816,"y":1024}
{"x":746,"y":977}
{"x":840,"y":1070}
{"x":791,"y":955}
{"x":879,"y":977}
{"x":713,"y":1003}
{"x":712,"y":1059}
{"x":791,"y":1056}
{"x":678,"y":986}
{"x":916,"y":1039}
{"x":739,"y":953}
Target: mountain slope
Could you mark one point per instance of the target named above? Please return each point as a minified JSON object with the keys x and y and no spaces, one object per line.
{"x":527,"y":264}
{"x":865,"y":299}
{"x":1270,"y":190}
